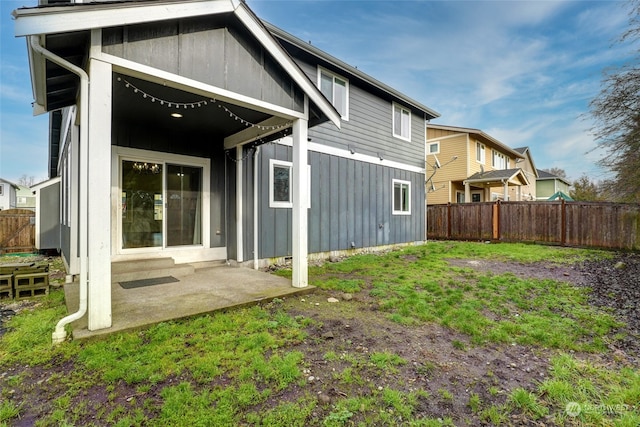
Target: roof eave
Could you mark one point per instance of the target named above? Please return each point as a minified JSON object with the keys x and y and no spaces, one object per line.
{"x":309,"y":48}
{"x":479,"y":133}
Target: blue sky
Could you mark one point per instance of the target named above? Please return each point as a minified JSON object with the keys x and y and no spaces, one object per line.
{"x":521,"y":71}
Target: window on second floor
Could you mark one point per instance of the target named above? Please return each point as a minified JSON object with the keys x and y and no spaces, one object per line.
{"x":1,"y":189}
{"x":499,"y":160}
{"x":336,"y":90}
{"x":433,"y":147}
{"x":401,"y":122}
{"x":480,"y":152}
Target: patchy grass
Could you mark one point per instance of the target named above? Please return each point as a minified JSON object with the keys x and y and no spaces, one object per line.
{"x":433,"y":347}
{"x":417,"y":284}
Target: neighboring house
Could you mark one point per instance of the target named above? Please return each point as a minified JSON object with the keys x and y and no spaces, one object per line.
{"x":8,"y":194}
{"x":47,"y":221}
{"x":527,"y":192}
{"x":205,"y":134}
{"x":473,"y":167}
{"x":551,"y":187}
{"x":25,"y":199}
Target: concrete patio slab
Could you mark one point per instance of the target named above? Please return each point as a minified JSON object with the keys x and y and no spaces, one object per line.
{"x":206,"y":291}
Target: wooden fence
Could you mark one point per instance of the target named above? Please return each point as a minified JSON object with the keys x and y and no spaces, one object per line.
{"x":17,"y":230}
{"x":580,"y":224}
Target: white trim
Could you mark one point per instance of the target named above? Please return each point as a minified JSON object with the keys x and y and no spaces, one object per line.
{"x":483,"y":148}
{"x":313,"y":94}
{"x":393,"y":202}
{"x":339,"y":152}
{"x":239,"y":205}
{"x":70,"y":18}
{"x":279,"y":204}
{"x":334,"y":76}
{"x":289,"y":204}
{"x":124,"y":153}
{"x":455,"y":135}
{"x":428,"y":147}
{"x":299,"y":219}
{"x":393,"y":121}
{"x":165,"y":78}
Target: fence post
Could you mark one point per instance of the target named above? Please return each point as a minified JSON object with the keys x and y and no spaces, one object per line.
{"x":563,"y":238}
{"x":449,"y":220}
{"x":495,"y":219}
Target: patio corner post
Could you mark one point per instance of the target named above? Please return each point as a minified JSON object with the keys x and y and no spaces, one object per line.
{"x":300,"y":274}
{"x":99,"y":185}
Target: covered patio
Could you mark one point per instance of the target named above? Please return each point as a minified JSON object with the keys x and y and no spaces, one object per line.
{"x":206,"y":290}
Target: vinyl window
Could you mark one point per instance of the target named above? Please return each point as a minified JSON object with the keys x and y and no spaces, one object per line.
{"x":434,"y":148}
{"x":480,"y":156}
{"x":336,"y":90}
{"x":280,"y":184}
{"x":401,"y":122}
{"x":401,"y":197}
{"x":499,"y":160}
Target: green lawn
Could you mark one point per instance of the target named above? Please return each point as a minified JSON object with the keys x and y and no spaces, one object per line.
{"x":256,"y":366}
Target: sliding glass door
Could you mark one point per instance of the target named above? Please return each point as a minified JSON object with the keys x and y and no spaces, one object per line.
{"x":184,"y":200}
{"x":161,"y":204}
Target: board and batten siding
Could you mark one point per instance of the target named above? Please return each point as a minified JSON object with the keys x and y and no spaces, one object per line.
{"x":369,"y":129}
{"x":211,"y":50}
{"x":351,"y":206}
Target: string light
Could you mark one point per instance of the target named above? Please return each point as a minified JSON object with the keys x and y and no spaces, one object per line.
{"x":199,"y":104}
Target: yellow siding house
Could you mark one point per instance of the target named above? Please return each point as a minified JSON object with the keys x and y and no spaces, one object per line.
{"x":467,"y":165}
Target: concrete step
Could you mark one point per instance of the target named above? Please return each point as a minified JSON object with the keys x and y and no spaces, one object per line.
{"x":125,"y":271}
{"x":141,"y":264}
{"x":207,"y":265}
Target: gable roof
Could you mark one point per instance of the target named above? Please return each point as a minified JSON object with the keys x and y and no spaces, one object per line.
{"x":526,"y":151}
{"x":15,"y":186}
{"x":86,"y":16}
{"x":480,"y":135}
{"x":560,"y":195}
{"x":498,"y":176}
{"x":544,"y":175}
{"x":349,"y":71}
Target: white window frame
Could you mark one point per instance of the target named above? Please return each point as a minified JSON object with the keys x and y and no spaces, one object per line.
{"x":393,"y":198}
{"x":1,"y":189}
{"x":279,"y":204}
{"x":429,"y":145}
{"x":403,"y":110}
{"x":480,"y":149}
{"x":334,"y":77}
{"x":282,"y":164}
{"x":498,"y":156}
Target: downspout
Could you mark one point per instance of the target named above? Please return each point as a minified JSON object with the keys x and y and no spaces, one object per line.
{"x":60,"y":334}
{"x":255,"y":207}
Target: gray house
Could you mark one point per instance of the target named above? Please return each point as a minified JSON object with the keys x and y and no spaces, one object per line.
{"x":192,"y":130}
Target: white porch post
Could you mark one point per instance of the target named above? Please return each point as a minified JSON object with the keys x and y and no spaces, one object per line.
{"x":467,"y":192}
{"x":99,"y":186}
{"x":300,"y":272}
{"x":239,"y":213}
{"x":506,"y":191}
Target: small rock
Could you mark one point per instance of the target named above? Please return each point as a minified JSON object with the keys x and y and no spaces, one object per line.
{"x":347,"y":297}
{"x":324,"y":399}
{"x":332,"y":299}
{"x":311,"y":378}
{"x":620,"y":265}
{"x":328,"y":335}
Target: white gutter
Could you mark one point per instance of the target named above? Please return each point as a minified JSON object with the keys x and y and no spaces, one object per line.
{"x":60,"y":334}
{"x":255,"y":207}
